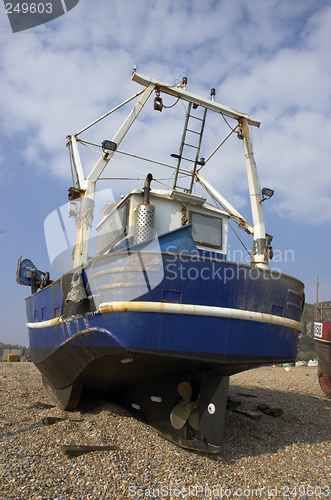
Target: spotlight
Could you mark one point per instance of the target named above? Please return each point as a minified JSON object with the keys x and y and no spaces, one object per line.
{"x":109,"y":146}
{"x":267,"y":194}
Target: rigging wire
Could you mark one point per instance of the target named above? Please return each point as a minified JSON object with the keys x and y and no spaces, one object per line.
{"x":87,"y":146}
{"x":130,"y":179}
{"x":168,"y":107}
{"x":228,"y":124}
{"x":120,"y":179}
{"x":140,"y":173}
{"x":129,"y":168}
{"x":239,"y":239}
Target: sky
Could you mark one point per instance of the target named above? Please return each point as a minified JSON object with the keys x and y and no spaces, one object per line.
{"x":269,"y":59}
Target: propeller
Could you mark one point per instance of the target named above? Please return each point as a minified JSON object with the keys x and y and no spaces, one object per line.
{"x":186,"y":409}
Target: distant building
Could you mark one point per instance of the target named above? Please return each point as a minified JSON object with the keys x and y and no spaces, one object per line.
{"x":325,"y":304}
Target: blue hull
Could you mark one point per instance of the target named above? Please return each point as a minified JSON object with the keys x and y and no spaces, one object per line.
{"x":191,"y":340}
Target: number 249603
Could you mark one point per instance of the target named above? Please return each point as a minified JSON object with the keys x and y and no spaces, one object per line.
{"x":25,"y":8}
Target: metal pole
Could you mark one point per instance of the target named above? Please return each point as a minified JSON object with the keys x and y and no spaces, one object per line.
{"x":255,"y":197}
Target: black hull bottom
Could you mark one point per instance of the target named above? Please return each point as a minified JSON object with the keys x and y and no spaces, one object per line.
{"x":118,"y":369}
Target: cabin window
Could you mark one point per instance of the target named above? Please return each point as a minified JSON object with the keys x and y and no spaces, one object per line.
{"x":206,"y":230}
{"x":43,"y":314}
{"x":57,"y":312}
{"x":35,"y":316}
{"x":112,"y":229}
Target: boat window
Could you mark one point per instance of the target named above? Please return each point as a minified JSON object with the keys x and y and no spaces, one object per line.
{"x":112,"y":228}
{"x":206,"y":230}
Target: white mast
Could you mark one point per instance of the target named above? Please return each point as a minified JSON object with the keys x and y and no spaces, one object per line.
{"x":258,"y":253}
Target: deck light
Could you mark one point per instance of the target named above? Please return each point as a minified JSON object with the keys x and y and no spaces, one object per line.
{"x":267,"y":194}
{"x":108,"y":145}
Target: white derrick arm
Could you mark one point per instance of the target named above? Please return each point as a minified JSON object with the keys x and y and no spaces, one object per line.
{"x":84,"y":222}
{"x":211,"y":190}
{"x":194,"y":99}
{"x":258,"y":257}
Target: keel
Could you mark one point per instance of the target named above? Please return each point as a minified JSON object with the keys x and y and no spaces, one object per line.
{"x":66,"y":398}
{"x":187,"y":410}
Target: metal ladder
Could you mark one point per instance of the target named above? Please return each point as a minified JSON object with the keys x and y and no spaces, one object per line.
{"x":183,"y":144}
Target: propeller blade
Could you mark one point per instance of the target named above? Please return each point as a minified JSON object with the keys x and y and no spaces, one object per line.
{"x":185,"y":391}
{"x":194,"y":419}
{"x":179,"y":415}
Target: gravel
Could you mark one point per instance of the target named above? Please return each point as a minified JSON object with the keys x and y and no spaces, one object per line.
{"x":285,"y":457}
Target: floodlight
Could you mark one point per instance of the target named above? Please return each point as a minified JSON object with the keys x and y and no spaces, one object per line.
{"x":108,"y":145}
{"x":267,"y":193}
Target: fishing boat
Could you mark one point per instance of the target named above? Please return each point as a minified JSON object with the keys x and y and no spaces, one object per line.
{"x":322,"y":341}
{"x":158,"y":317}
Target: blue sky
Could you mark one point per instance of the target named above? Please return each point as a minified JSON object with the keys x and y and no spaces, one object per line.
{"x":269,"y":59}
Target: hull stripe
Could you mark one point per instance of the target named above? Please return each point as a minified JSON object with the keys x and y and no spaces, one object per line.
{"x":223,"y":312}
{"x":170,"y":308}
{"x":45,"y":324}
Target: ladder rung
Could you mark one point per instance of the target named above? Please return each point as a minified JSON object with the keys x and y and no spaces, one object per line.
{"x":190,"y":145}
{"x":187,"y":159}
{"x":196,"y":118}
{"x":193,"y":131}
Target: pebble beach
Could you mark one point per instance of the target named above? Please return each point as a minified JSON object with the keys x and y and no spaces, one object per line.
{"x":287,"y":457}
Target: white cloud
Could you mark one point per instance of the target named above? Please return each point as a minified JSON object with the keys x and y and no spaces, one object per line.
{"x":269,"y":59}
